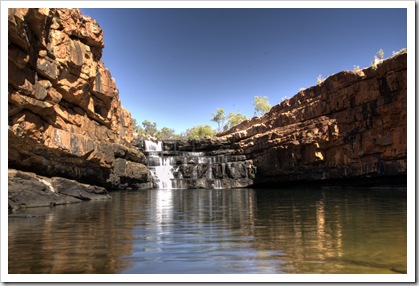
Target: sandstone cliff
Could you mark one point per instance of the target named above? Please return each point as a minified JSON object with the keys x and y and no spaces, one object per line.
{"x":65,"y":115}
{"x":351,"y":126}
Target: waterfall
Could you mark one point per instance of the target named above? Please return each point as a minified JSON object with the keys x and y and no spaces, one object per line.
{"x":176,"y":167}
{"x":153,"y":146}
{"x":217,"y":184}
{"x":161,"y":169}
{"x":164,"y":176}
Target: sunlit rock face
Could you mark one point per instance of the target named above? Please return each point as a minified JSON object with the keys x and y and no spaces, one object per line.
{"x":65,"y":115}
{"x":207,"y":163}
{"x":351,"y":126}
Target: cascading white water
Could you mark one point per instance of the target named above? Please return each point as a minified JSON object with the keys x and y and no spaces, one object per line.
{"x":178,"y":169}
{"x":217,"y":184}
{"x":164,"y":176}
{"x":162,"y":170}
{"x":153,"y":146}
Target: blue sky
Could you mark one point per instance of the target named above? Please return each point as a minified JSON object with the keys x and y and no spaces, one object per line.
{"x":177,"y":66}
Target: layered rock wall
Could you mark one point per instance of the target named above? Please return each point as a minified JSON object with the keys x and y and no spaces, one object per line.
{"x":65,"y":115}
{"x":207,"y":163}
{"x":351,"y":126}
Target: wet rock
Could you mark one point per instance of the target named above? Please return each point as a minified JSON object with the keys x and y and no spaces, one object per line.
{"x":213,"y":166}
{"x":129,"y":175}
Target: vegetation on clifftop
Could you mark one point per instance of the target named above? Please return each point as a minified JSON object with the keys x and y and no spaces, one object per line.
{"x":149,"y":130}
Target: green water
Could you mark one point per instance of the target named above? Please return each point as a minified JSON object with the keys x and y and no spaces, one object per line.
{"x":216,"y":231}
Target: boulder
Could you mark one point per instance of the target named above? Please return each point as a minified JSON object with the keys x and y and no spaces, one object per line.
{"x":27,"y":189}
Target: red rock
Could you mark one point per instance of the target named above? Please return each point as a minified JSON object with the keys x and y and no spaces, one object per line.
{"x":65,"y":115}
{"x":352,"y":125}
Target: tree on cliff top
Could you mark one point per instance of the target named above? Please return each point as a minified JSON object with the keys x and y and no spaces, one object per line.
{"x":234,"y":119}
{"x":261,"y":104}
{"x":199,"y":131}
{"x":219,"y":117}
{"x":165,"y":133}
{"x":378,"y":58}
{"x":150,"y":131}
{"x":135,"y":127}
{"x":150,"y":128}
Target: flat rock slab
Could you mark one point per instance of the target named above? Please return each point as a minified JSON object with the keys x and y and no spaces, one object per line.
{"x":31,"y":190}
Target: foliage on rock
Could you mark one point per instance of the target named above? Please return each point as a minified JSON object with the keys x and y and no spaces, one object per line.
{"x":219,"y":117}
{"x":234,"y":119}
{"x":261,"y":104}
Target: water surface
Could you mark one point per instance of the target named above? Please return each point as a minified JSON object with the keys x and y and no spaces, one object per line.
{"x":216,"y":231}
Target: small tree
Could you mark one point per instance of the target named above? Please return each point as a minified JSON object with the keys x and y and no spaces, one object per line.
{"x":320,"y":79}
{"x":135,"y":127}
{"x":165,"y":133}
{"x":140,"y":132}
{"x":378,"y":58}
{"x":219,"y":117}
{"x":180,"y":136}
{"x":261,"y":104}
{"x":234,"y":119}
{"x":199,"y":131}
{"x":380,"y":54}
{"x":150,"y":128}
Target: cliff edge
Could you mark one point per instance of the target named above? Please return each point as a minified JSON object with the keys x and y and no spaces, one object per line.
{"x":350,"y":126}
{"x":65,"y":115}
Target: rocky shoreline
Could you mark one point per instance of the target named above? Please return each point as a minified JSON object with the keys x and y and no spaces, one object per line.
{"x":31,"y":190}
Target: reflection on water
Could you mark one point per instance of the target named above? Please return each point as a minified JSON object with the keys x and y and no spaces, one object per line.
{"x":216,"y":231}
{"x":337,"y":231}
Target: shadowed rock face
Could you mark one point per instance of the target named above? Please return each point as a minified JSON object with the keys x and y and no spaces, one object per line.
{"x":351,"y":126}
{"x":30,"y":190}
{"x":65,"y":115}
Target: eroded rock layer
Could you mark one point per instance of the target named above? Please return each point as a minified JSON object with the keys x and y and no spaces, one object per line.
{"x":351,"y":126}
{"x":207,"y":163}
{"x":65,"y":115}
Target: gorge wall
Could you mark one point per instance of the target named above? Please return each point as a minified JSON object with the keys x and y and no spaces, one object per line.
{"x":64,"y":112}
{"x":69,"y":138}
{"x":351,"y":126}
